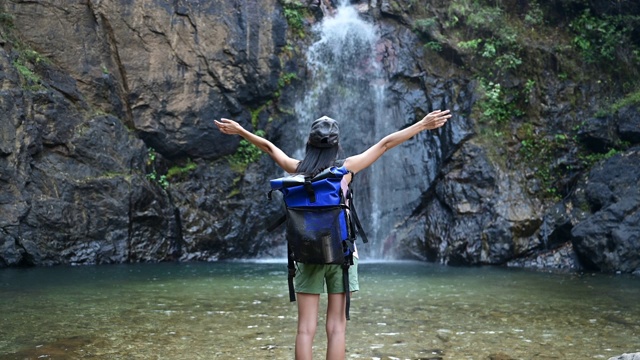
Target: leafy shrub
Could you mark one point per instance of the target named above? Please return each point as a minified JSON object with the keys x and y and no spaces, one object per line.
{"x":25,"y":72}
{"x":433,"y":45}
{"x":424,"y":25}
{"x":153,"y":176}
{"x":534,"y":15}
{"x":6,"y":20}
{"x":179,"y":171}
{"x":597,"y":39}
{"x":631,"y":99}
{"x":471,"y":44}
{"x":246,"y":154}
{"x":495,"y":105}
{"x":485,"y":17}
{"x":286,"y":78}
{"x":294,"y":12}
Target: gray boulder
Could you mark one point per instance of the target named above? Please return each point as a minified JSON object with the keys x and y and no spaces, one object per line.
{"x":608,"y":238}
{"x":634,"y":356}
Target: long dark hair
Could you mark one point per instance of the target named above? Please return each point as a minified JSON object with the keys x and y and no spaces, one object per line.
{"x":317,"y":159}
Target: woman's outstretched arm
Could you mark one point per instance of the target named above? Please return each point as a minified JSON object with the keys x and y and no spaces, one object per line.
{"x":433,"y":120}
{"x":231,"y":127}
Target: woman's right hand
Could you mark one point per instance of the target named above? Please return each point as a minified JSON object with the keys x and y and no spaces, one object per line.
{"x":231,"y":127}
{"x":228,"y":126}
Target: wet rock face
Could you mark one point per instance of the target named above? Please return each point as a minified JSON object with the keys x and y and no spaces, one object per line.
{"x":628,"y":122}
{"x":562,"y":258}
{"x":608,"y":237}
{"x":74,"y":164}
{"x":164,"y":68}
{"x":72,"y":187}
{"x":477,"y":215}
{"x":601,"y":134}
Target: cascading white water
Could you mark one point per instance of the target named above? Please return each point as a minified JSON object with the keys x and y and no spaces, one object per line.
{"x":343,"y":67}
{"x":347,"y":84}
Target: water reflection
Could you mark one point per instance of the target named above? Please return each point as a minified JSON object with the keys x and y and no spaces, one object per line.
{"x":241,"y":311}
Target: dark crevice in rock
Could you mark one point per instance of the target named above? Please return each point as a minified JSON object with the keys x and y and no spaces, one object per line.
{"x":26,"y":259}
{"x":175,"y":250}
{"x":115,"y":56}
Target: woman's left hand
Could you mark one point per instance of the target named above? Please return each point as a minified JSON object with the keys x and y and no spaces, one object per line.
{"x":435,"y":119}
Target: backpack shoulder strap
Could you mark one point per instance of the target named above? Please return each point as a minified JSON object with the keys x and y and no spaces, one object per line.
{"x":291,"y":267}
{"x":354,"y":213}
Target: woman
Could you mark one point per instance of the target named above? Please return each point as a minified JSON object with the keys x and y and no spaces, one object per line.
{"x":321,"y":153}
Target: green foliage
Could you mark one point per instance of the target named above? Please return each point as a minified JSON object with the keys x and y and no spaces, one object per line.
{"x":535,"y":15}
{"x":25,"y":63}
{"x":540,"y":152}
{"x":506,"y":50}
{"x":488,"y":50}
{"x":180,"y":171}
{"x":294,"y":18}
{"x":529,"y":87}
{"x":433,"y":45}
{"x":160,"y":179}
{"x":597,"y":38}
{"x":236,"y":186}
{"x":29,"y":76}
{"x":501,"y":54}
{"x":422,"y":26}
{"x":508,"y":61}
{"x":33,"y":56}
{"x":494,"y":37}
{"x":151,"y":156}
{"x":588,"y":160}
{"x":495,"y":106}
{"x":25,"y":58}
{"x":471,"y":44}
{"x":174,"y":173}
{"x":286,"y":78}
{"x":294,"y":12}
{"x":255,"y":114}
{"x":6,"y":20}
{"x":451,"y":22}
{"x":246,"y":154}
{"x":631,"y":99}
{"x":153,"y":175}
{"x":485,"y":17}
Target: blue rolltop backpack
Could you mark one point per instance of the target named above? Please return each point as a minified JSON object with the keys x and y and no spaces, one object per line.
{"x":320,"y":227}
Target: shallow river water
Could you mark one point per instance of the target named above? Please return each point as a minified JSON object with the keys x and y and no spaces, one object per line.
{"x":240,"y":310}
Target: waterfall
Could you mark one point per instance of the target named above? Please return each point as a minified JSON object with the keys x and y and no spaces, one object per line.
{"x":347,"y":84}
{"x":344,"y":73}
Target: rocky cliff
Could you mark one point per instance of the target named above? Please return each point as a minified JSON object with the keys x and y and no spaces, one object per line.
{"x":108,"y":153}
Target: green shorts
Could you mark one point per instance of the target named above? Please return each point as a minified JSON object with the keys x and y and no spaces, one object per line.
{"x":311,"y":278}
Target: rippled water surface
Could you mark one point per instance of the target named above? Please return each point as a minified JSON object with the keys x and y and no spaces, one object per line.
{"x":404,"y":310}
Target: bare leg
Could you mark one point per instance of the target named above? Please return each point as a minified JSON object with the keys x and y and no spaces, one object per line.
{"x":336,"y":327}
{"x":307,"y":321}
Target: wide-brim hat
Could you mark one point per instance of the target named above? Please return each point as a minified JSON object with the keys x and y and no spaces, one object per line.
{"x":324,"y":133}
